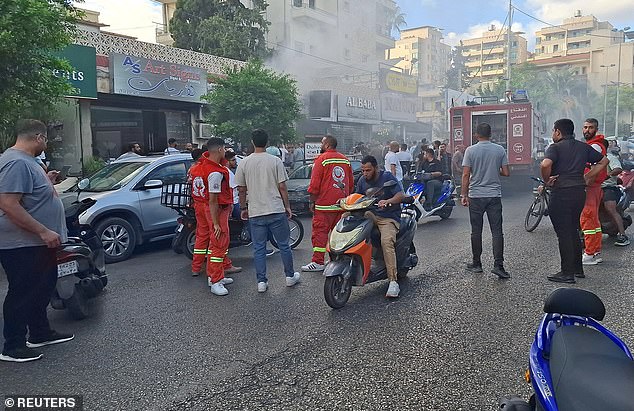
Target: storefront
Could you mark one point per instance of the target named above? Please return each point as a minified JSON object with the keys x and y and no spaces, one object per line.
{"x":150,"y":101}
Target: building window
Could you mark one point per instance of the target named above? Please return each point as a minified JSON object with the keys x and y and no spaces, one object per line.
{"x":364,"y":58}
{"x":311,"y":4}
{"x":555,"y":48}
{"x":346,"y":53}
{"x":583,"y":70}
{"x":297,"y":3}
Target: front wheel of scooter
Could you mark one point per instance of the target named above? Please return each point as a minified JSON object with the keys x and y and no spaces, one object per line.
{"x":337,"y":290}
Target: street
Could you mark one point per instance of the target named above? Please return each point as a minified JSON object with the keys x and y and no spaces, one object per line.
{"x":157,"y":339}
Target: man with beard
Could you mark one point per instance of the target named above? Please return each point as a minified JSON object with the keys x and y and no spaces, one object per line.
{"x":331,"y":180}
{"x":33,"y":226}
{"x":134,"y":150}
{"x":590,"y":223}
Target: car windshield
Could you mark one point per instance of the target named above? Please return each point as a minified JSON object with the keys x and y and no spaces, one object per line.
{"x":301,"y":173}
{"x":114,"y":176}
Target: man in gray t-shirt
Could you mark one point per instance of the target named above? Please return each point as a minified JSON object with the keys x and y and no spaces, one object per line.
{"x":483,"y":164}
{"x":33,"y":226}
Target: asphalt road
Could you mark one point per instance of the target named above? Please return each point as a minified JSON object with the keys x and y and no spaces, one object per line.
{"x":454,"y":340}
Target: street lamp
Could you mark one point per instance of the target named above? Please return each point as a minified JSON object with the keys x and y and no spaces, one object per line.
{"x":605,"y":91}
{"x":624,"y":32}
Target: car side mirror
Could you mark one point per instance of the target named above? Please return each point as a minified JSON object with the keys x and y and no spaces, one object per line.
{"x":150,"y":184}
{"x":83,"y":184}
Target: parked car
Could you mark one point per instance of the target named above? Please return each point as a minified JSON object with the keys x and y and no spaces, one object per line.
{"x":298,"y":181}
{"x":128,"y":210}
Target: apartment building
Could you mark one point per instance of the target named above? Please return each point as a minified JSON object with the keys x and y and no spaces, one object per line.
{"x":421,"y":53}
{"x":577,"y":35}
{"x":485,"y":56}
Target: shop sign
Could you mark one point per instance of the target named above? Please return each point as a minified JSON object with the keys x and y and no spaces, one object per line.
{"x":360,"y":109}
{"x":138,"y":76}
{"x":398,"y":107}
{"x":83,"y":76}
{"x":398,"y":82}
{"x":312,"y":150}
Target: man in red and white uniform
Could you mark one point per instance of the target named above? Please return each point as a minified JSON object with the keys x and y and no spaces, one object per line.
{"x":330,"y":181}
{"x":590,"y":223}
{"x":213,"y":201}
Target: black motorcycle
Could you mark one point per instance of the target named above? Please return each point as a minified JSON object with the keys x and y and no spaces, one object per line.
{"x":81,"y":266}
{"x":178,"y":197}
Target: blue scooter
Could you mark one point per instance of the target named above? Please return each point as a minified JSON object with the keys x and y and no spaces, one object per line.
{"x":442,"y":206}
{"x":575,"y":362}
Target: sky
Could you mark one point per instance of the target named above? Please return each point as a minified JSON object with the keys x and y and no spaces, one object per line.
{"x":459,"y":18}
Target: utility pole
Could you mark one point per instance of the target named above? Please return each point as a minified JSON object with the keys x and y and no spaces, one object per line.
{"x":605,"y":92}
{"x":618,"y":83}
{"x":508,"y":48}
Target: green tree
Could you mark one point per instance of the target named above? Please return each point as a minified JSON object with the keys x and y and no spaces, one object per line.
{"x":254,"y":97}
{"x":396,"y":19}
{"x":626,"y":105}
{"x":223,"y":28}
{"x":31,"y":31}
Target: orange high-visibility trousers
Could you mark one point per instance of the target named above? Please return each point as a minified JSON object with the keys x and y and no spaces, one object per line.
{"x":323,"y":223}
{"x":590,"y":224}
{"x":206,"y":242}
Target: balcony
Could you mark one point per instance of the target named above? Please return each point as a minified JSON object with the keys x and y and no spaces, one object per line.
{"x":383,"y":37}
{"x":471,"y":64}
{"x":306,"y":13}
{"x":163,"y":35}
{"x":495,"y":60}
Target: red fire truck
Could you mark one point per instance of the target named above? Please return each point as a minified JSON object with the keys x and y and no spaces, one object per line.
{"x":515,"y":125}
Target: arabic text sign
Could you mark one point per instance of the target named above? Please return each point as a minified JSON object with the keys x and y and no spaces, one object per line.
{"x":138,"y":76}
{"x":312,"y":150}
{"x":398,"y":82}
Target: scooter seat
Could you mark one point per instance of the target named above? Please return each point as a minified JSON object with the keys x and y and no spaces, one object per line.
{"x":590,"y":372}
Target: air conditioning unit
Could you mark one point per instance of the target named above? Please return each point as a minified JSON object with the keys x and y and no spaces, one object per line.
{"x":206,"y":131}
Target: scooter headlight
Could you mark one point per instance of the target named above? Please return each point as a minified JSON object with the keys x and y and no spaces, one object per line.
{"x":339,"y":241}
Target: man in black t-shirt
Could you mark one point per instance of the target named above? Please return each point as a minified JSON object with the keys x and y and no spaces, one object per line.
{"x":562,"y":170}
{"x":431,"y":166}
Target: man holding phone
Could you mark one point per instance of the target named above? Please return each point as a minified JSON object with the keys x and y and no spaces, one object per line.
{"x":33,"y":226}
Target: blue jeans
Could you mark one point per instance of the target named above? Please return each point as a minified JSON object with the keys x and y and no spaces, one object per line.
{"x":262,"y":227}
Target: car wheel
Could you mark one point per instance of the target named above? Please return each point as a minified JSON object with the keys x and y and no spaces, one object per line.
{"x":118,"y":238}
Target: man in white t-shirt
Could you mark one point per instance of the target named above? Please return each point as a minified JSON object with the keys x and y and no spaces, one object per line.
{"x":264,"y":177}
{"x":171,"y":147}
{"x":392,"y":163}
{"x":405,"y":158}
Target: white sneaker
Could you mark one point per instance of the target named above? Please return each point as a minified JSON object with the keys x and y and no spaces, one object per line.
{"x":219,"y":289}
{"x":313,"y":267}
{"x":291,"y":281}
{"x":224,"y":281}
{"x":393,"y":290}
{"x":591,"y":259}
{"x":262,"y":286}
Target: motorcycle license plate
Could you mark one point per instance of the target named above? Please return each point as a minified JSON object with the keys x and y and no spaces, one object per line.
{"x":68,"y":268}
{"x":180,"y":228}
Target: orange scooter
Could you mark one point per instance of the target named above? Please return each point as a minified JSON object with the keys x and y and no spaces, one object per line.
{"x":356,"y":256}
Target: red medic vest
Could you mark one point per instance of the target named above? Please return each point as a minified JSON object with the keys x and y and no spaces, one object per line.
{"x":200,"y":181}
{"x":599,"y":140}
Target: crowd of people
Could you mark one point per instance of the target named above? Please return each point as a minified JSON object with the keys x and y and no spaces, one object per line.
{"x":33,"y":224}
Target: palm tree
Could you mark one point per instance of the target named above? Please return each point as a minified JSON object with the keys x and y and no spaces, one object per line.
{"x":396,"y":20}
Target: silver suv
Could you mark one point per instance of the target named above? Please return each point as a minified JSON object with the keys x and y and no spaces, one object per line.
{"x":128,"y":211}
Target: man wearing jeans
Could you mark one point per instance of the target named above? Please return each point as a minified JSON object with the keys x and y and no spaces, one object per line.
{"x":483,"y":164}
{"x":264,"y":178}
{"x":33,"y":226}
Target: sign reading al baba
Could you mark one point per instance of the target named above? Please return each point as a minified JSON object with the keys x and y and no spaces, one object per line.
{"x":360,"y":109}
{"x":138,"y":76}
